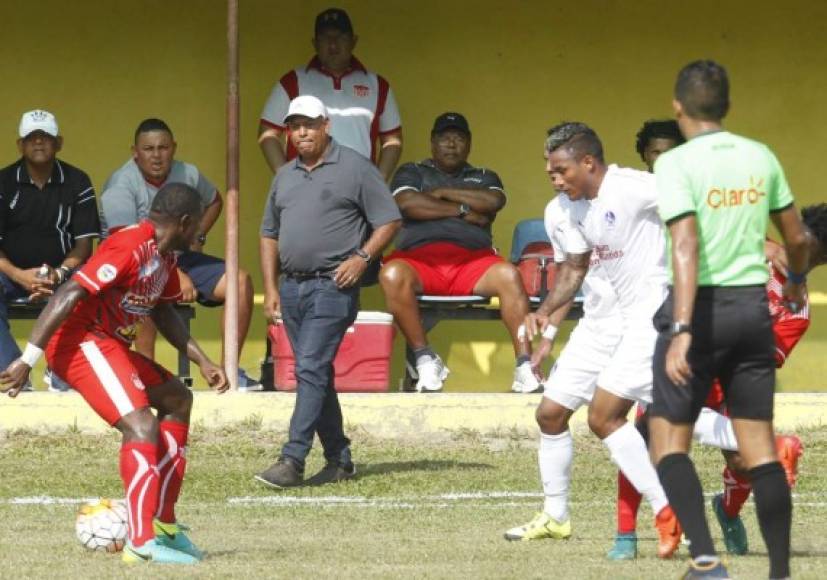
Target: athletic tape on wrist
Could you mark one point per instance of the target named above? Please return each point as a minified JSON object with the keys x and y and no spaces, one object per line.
{"x":550,"y":332}
{"x":31,"y":354}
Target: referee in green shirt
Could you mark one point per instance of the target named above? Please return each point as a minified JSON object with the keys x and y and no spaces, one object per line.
{"x":716,"y":194}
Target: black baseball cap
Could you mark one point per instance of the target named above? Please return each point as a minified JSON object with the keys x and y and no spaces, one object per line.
{"x":451,"y":121}
{"x":333,"y":18}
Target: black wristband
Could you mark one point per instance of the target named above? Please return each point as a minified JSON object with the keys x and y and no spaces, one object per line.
{"x":63,"y":274}
{"x":679,"y":328}
{"x":363,"y":254}
{"x":797,"y":279}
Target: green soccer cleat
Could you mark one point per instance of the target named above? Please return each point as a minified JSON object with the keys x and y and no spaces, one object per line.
{"x":154,"y":551}
{"x":625,"y":547}
{"x":541,"y":527}
{"x":173,"y":536}
{"x":735,"y":535}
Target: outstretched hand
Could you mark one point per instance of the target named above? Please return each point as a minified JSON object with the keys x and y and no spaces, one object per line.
{"x":215,"y":375}
{"x":534,"y":324}
{"x":14,"y":377}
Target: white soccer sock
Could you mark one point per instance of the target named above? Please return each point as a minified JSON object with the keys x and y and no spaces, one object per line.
{"x":555,"y":457}
{"x":714,"y":429}
{"x":628,"y":451}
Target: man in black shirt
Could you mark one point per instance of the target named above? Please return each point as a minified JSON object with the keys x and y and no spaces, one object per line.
{"x":445,"y":248}
{"x":48,"y":217}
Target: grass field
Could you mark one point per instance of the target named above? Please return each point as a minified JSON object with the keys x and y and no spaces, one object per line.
{"x":425,"y":509}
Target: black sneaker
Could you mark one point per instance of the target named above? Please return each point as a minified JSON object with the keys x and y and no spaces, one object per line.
{"x":333,"y":473}
{"x":283,"y":473}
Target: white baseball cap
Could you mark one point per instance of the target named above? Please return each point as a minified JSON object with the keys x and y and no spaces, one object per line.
{"x":37,"y":120}
{"x":306,"y":106}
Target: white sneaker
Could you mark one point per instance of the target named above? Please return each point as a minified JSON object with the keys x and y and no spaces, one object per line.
{"x":247,"y":384}
{"x":55,"y":383}
{"x":525,"y":380}
{"x":432,"y":372}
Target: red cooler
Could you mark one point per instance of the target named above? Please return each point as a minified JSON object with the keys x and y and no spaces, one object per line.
{"x":362,"y":364}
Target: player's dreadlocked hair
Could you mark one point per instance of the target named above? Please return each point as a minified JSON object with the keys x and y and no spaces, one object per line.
{"x":175,"y":200}
{"x":654,"y":129}
{"x":578,"y":139}
{"x":152,"y":124}
{"x":815,"y":218}
{"x":702,"y":89}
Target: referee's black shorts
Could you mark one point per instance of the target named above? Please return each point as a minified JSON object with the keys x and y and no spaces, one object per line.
{"x":732,"y":340}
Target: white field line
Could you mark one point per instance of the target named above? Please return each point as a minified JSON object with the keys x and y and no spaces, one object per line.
{"x":445,"y":500}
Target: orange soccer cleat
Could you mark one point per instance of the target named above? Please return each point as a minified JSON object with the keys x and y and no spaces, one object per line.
{"x":790,"y":449}
{"x":669,"y":532}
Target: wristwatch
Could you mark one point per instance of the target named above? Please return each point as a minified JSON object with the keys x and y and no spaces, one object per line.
{"x":679,"y":328}
{"x":363,"y":254}
{"x":464,"y":210}
{"x":202,"y":239}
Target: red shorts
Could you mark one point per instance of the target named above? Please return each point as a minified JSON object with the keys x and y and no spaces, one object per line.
{"x":112,"y":378}
{"x":447,"y":269}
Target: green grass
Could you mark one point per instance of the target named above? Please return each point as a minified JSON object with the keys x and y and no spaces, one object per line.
{"x":403,"y":525}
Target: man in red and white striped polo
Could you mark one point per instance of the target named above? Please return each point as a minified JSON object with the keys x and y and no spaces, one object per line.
{"x":361,"y":105}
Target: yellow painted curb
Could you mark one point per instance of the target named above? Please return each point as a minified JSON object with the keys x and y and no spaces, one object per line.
{"x":387,"y":415}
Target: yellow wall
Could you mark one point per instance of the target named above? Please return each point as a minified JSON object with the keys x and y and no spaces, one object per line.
{"x":514,"y":68}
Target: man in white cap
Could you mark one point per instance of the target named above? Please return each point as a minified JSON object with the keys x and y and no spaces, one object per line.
{"x":48,"y":218}
{"x":329,"y":214}
{"x":361,"y":104}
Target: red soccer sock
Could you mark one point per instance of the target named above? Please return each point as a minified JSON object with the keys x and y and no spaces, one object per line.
{"x":172,"y":463}
{"x":140,"y":480}
{"x":628,"y":502}
{"x":736,"y":491}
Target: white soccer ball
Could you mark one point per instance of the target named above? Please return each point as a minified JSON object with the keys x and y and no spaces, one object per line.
{"x":102,"y":525}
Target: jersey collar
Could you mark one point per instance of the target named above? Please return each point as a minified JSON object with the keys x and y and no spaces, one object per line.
{"x":462,"y":171}
{"x":355,"y":66}
{"x":22,"y":175}
{"x":330,"y":156}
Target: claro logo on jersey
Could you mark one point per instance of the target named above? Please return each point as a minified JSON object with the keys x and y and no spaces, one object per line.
{"x":106,"y":273}
{"x":137,"y":304}
{"x":718,"y":198}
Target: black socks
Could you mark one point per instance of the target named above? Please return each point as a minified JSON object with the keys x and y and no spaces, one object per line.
{"x":683,"y":488}
{"x":773,"y":503}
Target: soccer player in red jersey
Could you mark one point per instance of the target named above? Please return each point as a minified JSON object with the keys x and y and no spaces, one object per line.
{"x":788,"y":328}
{"x":87,"y":329}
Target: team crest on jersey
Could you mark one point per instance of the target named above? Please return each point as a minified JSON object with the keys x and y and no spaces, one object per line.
{"x":139,"y":384}
{"x":361,"y":90}
{"x":106,"y":273}
{"x":610,"y":218}
{"x":149,"y":268}
{"x":128,"y":333}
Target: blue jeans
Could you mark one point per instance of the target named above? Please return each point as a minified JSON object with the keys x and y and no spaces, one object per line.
{"x":316,"y":316}
{"x":8,"y":347}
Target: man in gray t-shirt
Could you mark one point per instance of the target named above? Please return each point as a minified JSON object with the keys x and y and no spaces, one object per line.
{"x":329,"y":214}
{"x":445,"y":248}
{"x":126,"y":199}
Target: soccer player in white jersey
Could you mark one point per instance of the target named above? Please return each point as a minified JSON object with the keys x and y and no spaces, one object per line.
{"x":608,"y":359}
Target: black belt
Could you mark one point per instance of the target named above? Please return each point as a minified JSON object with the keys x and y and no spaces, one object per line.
{"x":303,"y":276}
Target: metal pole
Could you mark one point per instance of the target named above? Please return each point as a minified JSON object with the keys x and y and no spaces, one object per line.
{"x":231,"y":217}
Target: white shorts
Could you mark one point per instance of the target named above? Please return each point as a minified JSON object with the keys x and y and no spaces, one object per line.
{"x":629,"y":374}
{"x":588,"y":352}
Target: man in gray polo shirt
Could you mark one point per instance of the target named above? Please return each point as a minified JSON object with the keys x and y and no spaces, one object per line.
{"x":316,"y":232}
{"x":126,"y":199}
